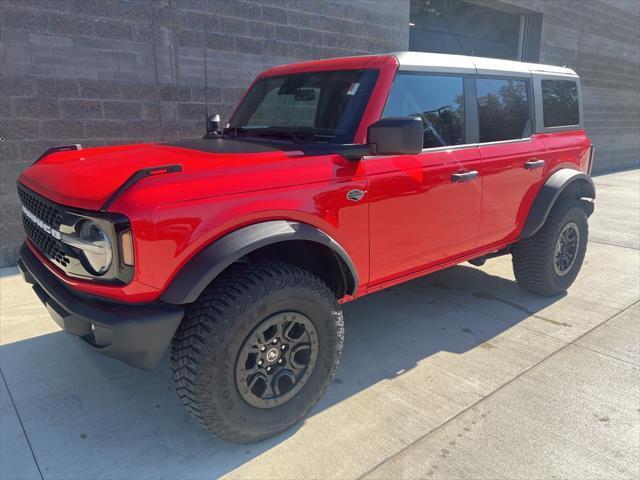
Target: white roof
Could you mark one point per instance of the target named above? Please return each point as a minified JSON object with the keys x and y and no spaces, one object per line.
{"x":438,"y":62}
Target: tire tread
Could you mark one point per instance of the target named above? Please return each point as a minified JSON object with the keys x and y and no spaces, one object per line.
{"x":206,"y":322}
{"x":530,"y":266}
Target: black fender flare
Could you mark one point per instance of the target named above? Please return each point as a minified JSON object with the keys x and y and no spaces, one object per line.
{"x":555,"y":185}
{"x":212,"y":260}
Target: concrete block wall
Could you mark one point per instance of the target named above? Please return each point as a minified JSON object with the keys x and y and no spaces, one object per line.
{"x":102,"y":72}
{"x":599,"y":39}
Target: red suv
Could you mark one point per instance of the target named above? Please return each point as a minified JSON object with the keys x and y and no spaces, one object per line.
{"x":332,"y":180}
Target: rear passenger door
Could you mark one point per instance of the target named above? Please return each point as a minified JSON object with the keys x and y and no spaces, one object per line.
{"x":513,"y":158}
{"x":424,"y":209}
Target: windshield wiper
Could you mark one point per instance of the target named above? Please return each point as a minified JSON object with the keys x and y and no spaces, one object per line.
{"x":280,"y":133}
{"x":233,"y":131}
{"x":266,"y":132}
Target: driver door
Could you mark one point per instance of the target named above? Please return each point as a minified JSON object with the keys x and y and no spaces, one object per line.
{"x":424,"y":209}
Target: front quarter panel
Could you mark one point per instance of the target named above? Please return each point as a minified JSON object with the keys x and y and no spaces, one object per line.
{"x":174,"y":231}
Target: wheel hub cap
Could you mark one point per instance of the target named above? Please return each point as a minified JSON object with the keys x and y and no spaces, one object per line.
{"x":276,"y":359}
{"x":272,"y":355}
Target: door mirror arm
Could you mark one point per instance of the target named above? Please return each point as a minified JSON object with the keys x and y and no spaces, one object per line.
{"x":355,"y":152}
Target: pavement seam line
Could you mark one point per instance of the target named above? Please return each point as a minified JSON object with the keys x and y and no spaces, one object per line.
{"x":613,"y":357}
{"x":490,"y":394}
{"x":613,"y":244}
{"x":15,"y":408}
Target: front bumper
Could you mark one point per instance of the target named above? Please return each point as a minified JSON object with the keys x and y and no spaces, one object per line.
{"x":135,"y":334}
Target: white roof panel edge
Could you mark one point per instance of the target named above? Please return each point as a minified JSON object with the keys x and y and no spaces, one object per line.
{"x":496,"y":66}
{"x":438,"y":62}
{"x":434,"y":62}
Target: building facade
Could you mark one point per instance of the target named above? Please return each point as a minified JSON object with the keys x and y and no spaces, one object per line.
{"x":102,"y":72}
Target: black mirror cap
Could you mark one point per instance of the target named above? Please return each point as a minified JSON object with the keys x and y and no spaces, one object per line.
{"x":396,"y":136}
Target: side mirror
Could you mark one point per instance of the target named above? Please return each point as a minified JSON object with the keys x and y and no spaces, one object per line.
{"x":396,"y":136}
{"x":213,"y":126}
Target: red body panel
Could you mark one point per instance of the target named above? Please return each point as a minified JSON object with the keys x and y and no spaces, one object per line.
{"x":508,"y":188}
{"x":412,"y":220}
{"x":418,"y":217}
{"x":174,"y":215}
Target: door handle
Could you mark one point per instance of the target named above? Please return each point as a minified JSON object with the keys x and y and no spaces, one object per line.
{"x":531,"y":164}
{"x":464,"y":177}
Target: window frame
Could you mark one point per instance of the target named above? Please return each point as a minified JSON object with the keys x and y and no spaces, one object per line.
{"x":530,"y":97}
{"x":471,"y":117}
{"x":538,"y":77}
{"x":465,"y":94}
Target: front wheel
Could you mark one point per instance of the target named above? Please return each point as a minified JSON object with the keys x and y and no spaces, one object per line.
{"x":548,"y":262}
{"x":257,"y":350}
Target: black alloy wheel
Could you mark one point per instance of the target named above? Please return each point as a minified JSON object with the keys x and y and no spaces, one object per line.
{"x":566,"y":249}
{"x":276,"y":359}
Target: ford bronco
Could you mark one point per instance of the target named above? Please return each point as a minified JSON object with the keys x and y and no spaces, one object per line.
{"x":333,"y":179}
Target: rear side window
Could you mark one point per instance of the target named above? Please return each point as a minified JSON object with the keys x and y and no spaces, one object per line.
{"x":438,"y":100}
{"x":503,"y":109}
{"x":560,"y":103}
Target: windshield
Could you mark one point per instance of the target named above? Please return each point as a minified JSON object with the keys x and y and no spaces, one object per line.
{"x":305,"y":107}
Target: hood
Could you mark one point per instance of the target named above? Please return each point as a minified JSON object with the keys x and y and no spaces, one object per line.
{"x":87,"y":178}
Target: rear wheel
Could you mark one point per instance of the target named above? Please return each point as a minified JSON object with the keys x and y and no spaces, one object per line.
{"x":257,"y":350}
{"x":548,"y":262}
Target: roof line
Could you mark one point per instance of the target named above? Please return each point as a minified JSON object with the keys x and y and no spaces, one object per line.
{"x":470,"y":64}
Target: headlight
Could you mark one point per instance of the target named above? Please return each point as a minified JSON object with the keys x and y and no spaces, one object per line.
{"x":95,"y":245}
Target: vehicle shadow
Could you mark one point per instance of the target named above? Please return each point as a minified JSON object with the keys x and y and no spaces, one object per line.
{"x":87,"y":415}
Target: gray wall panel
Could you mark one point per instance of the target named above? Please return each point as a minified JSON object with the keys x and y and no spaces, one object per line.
{"x":113,"y":71}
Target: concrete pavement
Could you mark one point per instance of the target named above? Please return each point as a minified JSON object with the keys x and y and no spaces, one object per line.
{"x":456,"y":375}
{"x":574,"y":415}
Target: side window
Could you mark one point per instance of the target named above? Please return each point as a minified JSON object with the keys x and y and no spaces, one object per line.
{"x":438,"y":100}
{"x":560,"y":103}
{"x":503,"y":109}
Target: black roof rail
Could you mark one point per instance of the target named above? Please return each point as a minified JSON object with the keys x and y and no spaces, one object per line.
{"x":136,"y":177}
{"x":59,"y":148}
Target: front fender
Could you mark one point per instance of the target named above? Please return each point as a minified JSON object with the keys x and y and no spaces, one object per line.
{"x":555,"y":186}
{"x":212,"y":260}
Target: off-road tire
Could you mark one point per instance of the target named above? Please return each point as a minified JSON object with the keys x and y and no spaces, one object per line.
{"x":533,"y":257}
{"x":207,"y":343}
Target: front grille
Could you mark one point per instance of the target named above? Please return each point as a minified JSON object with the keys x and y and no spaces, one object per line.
{"x":50,"y":214}
{"x":47,"y":212}
{"x":51,"y":247}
